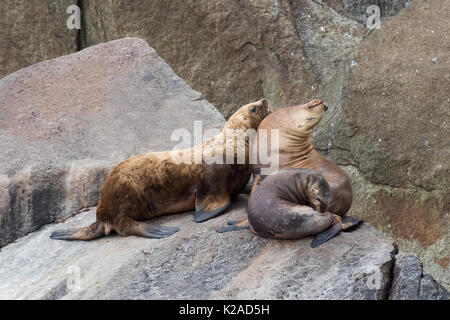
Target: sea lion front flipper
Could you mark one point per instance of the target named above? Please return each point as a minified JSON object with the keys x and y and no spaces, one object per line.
{"x":158,"y":232}
{"x":348,"y":223}
{"x":235,"y":226}
{"x":146,"y":230}
{"x":210,"y":207}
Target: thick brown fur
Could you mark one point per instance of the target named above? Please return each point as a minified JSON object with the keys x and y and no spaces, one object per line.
{"x":153,"y":184}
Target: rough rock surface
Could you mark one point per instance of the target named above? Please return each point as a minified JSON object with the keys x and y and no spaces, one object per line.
{"x":235,"y":51}
{"x":409,"y":282}
{"x":394,"y":129}
{"x":197,"y":263}
{"x":293,"y":51}
{"x":65,"y":122}
{"x":33,"y":31}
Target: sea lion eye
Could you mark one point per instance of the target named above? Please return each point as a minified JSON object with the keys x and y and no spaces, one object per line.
{"x":253,"y":109}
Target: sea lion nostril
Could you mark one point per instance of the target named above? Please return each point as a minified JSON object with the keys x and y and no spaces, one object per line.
{"x":325,"y":108}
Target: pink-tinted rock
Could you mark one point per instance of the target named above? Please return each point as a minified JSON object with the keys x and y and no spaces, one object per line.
{"x":64,"y":123}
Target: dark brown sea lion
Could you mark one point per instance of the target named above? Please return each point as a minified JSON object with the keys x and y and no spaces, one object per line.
{"x":290,"y":204}
{"x":296,"y":150}
{"x":154,"y":184}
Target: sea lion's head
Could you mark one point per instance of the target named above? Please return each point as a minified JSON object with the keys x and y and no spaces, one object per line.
{"x":306,"y":116}
{"x":249,"y":116}
{"x":302,"y":118}
{"x":302,"y":186}
{"x":318,"y":191}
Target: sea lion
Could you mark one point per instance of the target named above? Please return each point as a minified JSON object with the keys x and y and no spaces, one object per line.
{"x":290,"y":204}
{"x":154,"y":184}
{"x":296,"y":150}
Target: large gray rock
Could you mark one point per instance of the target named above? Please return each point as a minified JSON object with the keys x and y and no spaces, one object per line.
{"x":430,"y":289}
{"x":393,"y":128}
{"x":33,"y":31}
{"x":64,"y":123}
{"x":197,"y":263}
{"x":406,"y":278}
{"x":409,"y":282}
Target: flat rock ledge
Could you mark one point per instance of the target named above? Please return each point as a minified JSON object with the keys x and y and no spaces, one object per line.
{"x":199,"y":263}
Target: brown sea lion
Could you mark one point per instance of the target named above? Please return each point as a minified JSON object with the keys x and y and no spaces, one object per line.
{"x":290,"y":204}
{"x":154,"y":184}
{"x":296,"y":150}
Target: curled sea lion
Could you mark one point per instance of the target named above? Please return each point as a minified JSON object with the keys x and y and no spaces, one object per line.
{"x":153,"y":184}
{"x":296,"y":150}
{"x":290,"y":204}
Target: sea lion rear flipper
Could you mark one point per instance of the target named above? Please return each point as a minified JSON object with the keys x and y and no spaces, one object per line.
{"x":210,"y":207}
{"x":95,"y":230}
{"x":326,"y":235}
{"x":348,"y":223}
{"x":235,"y":226}
{"x":131,"y":227}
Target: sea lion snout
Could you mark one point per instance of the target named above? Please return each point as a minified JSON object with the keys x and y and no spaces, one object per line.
{"x":316,"y":103}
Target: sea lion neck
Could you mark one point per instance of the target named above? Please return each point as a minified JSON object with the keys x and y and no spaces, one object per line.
{"x":237,"y":122}
{"x":299,"y":147}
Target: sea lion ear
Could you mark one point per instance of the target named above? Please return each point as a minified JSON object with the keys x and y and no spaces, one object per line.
{"x":264,"y":103}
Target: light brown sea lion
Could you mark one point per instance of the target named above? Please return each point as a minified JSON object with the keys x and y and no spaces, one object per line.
{"x":296,"y":150}
{"x":152,"y":184}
